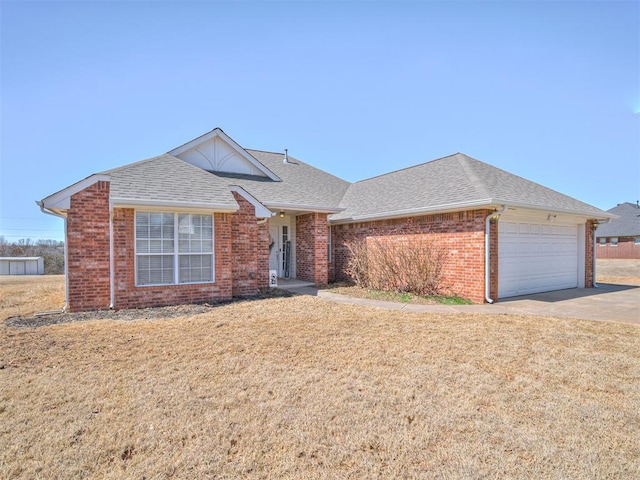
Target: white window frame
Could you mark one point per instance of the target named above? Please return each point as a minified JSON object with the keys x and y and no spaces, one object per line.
{"x":602,"y":241}
{"x":636,"y":241}
{"x":176,"y":254}
{"x":613,"y":241}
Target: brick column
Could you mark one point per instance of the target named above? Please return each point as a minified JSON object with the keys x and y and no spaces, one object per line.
{"x":250,"y":243}
{"x":88,"y":249}
{"x":311,"y":248}
{"x":588,"y":253}
{"x":493,"y":260}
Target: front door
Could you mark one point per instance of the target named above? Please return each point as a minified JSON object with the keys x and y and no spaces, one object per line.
{"x":280,"y":250}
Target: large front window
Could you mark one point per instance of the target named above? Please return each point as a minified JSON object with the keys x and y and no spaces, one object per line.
{"x":173,"y":248}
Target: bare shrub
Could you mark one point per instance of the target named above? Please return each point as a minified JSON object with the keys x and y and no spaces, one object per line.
{"x":413,"y":264}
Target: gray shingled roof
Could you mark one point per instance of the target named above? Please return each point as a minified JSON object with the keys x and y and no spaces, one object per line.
{"x":301,"y":183}
{"x":456,"y":181}
{"x":169,"y":179}
{"x":453,"y":182}
{"x":628,"y":225}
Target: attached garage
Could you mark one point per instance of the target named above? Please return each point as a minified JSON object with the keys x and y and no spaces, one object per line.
{"x":21,"y":266}
{"x":539,"y":255}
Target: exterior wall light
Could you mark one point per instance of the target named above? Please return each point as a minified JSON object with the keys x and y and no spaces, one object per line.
{"x":281,"y":214}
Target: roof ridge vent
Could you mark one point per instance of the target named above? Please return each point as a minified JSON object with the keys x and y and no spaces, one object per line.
{"x":286,"y":156}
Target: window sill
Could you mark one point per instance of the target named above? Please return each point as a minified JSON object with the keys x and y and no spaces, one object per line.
{"x":174,"y":284}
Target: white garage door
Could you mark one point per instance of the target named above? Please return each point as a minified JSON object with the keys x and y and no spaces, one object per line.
{"x":536,"y":257}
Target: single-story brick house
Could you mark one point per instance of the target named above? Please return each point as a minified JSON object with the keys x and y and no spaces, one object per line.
{"x":209,"y":219}
{"x":620,"y":237}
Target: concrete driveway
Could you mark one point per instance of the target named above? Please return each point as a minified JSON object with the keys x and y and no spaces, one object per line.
{"x":608,"y":302}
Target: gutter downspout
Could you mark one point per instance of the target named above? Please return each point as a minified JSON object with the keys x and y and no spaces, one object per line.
{"x":593,"y":267}
{"x":111,"y":273}
{"x":66,"y":263}
{"x":487,"y":252}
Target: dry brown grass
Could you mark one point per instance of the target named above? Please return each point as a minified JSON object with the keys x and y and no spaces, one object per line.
{"x":300,"y":388}
{"x":26,"y":295}
{"x":618,"y":271}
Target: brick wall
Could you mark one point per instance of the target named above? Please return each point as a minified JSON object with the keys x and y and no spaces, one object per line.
{"x":462,"y":233}
{"x":590,"y":227}
{"x":263,"y":254}
{"x":311,"y":248}
{"x":331,"y":265}
{"x":626,"y":248}
{"x":88,"y":249}
{"x":250,"y":246}
{"x":241,"y":257}
{"x":127,"y":295}
{"x":494,"y":249}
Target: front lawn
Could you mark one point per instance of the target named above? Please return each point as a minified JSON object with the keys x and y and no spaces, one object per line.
{"x":303,"y":388}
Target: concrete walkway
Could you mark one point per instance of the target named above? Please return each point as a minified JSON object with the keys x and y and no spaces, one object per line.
{"x":613,"y":303}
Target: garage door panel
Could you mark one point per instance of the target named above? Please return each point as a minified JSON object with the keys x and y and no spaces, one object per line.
{"x":536,"y":257}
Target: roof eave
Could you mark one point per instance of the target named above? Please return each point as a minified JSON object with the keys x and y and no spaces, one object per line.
{"x":140,"y":202}
{"x":297,"y":207}
{"x":453,"y":207}
{"x":260,"y":210}
{"x":601,"y":215}
{"x":61,"y":200}
{"x":412,"y":212}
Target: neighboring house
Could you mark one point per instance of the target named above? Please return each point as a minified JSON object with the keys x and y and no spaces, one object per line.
{"x":21,"y":266}
{"x":209,"y":219}
{"x":620,"y":237}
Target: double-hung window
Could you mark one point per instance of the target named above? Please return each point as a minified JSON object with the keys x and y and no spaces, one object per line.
{"x":173,"y":248}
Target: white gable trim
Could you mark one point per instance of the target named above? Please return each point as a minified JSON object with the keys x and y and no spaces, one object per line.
{"x":217,"y":132}
{"x":62,"y":200}
{"x":261,"y":210}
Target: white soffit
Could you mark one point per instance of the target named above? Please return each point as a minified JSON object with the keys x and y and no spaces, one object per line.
{"x":217,"y":152}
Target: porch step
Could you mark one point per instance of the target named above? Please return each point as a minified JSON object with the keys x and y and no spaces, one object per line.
{"x":287,"y":283}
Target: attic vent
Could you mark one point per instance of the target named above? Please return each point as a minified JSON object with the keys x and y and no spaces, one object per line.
{"x":286,"y":156}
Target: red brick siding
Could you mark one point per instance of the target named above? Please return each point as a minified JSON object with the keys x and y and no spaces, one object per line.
{"x":626,"y":248}
{"x":263,"y":254}
{"x":590,"y":227}
{"x":462,"y":233}
{"x":311,"y":248}
{"x":250,"y":243}
{"x":494,"y":250}
{"x":88,"y":249}
{"x":241,"y":257}
{"x":331,"y":265}
{"x":127,"y":295}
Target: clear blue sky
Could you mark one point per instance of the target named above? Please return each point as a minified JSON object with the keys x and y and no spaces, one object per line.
{"x":546,"y":90}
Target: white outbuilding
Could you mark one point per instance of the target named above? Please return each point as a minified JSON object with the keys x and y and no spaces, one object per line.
{"x":21,"y":266}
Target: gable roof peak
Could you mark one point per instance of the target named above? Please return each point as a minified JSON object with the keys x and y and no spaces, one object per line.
{"x":217,"y":151}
